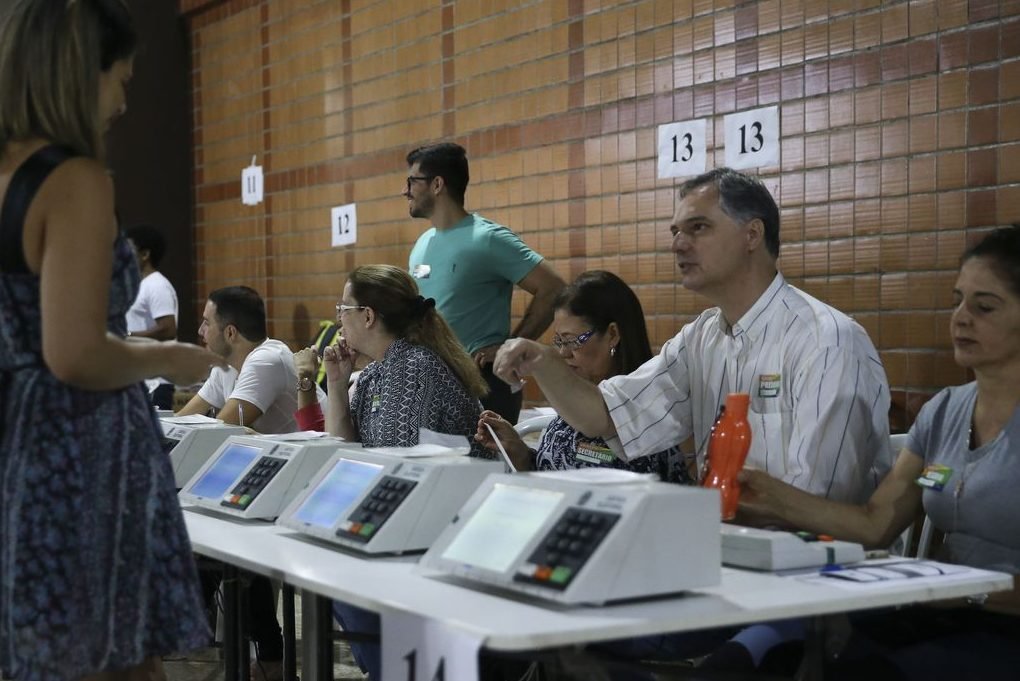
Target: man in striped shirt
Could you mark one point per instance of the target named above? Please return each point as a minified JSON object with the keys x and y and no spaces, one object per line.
{"x":819,"y":397}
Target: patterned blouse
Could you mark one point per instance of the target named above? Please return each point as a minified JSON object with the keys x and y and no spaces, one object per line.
{"x":411,"y":388}
{"x":562,"y":448}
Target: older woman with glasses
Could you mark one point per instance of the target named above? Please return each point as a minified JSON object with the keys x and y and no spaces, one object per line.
{"x":419,"y":375}
{"x":599,"y":329}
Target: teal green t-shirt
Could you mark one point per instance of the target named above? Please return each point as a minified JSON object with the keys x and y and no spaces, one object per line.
{"x":471,"y":269}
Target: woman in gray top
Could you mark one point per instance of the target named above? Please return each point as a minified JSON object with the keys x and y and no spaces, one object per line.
{"x":961,"y":463}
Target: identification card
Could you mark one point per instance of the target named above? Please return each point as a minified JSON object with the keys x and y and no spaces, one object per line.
{"x":935,"y":476}
{"x":589,"y":452}
{"x":376,"y":403}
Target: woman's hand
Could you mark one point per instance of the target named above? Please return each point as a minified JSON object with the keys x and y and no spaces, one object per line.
{"x":339,"y":360}
{"x":187,"y":363}
{"x":512,"y":442}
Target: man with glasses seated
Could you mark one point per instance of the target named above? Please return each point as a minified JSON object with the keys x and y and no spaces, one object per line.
{"x":470,"y":266}
{"x":819,"y":398}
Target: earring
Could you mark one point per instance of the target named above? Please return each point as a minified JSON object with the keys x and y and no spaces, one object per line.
{"x":612,"y":351}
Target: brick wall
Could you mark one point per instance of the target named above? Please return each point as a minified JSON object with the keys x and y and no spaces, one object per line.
{"x":900,"y":142}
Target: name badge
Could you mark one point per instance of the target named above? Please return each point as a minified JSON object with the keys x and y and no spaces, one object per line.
{"x":769,"y":384}
{"x":421,"y":271}
{"x":935,"y":476}
{"x":376,"y":403}
{"x":589,"y":452}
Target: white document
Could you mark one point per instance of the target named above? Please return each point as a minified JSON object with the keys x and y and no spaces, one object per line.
{"x":600,"y":476}
{"x":190,"y":419}
{"x":414,"y":647}
{"x":299,"y":436}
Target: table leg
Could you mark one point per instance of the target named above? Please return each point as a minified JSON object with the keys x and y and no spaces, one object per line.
{"x":289,"y":636}
{"x":316,"y":637}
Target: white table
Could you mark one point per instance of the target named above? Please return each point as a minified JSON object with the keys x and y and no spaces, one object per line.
{"x":512,"y":624}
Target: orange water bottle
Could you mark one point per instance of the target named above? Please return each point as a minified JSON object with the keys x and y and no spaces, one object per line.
{"x":727,"y":450}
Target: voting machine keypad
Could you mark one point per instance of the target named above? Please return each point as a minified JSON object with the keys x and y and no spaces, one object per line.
{"x":254,"y":482}
{"x":567,"y":547}
{"x":377,"y":507}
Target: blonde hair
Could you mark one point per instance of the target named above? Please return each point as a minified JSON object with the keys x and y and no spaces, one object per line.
{"x":51,"y":55}
{"x":392,"y":293}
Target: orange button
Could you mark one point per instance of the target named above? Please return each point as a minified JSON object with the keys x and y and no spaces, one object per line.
{"x":825,"y":537}
{"x":356,"y":528}
{"x":543,"y":572}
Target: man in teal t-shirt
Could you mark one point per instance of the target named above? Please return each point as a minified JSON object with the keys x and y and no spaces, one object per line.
{"x":470,"y":266}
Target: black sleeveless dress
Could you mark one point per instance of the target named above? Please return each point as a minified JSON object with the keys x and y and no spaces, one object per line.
{"x":96,"y":569}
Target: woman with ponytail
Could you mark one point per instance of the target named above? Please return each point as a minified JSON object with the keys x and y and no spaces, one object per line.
{"x":419,"y":375}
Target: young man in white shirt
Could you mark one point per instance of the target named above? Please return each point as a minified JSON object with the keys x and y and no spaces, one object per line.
{"x":154,"y":312}
{"x":259,"y":389}
{"x":819,"y":396}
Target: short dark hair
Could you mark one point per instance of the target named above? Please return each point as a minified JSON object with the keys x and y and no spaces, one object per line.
{"x":446,"y":160}
{"x":743,"y":198}
{"x":243,"y":307}
{"x":148,"y":238}
{"x":1001,"y":248}
{"x":601,"y":298}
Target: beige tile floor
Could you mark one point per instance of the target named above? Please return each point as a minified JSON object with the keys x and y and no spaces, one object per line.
{"x":206,"y":665}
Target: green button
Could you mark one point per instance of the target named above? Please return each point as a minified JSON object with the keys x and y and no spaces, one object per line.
{"x":560,"y":575}
{"x":367,"y":529}
{"x":244,"y":500}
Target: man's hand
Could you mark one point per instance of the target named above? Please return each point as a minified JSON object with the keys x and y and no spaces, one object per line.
{"x":485,"y":356}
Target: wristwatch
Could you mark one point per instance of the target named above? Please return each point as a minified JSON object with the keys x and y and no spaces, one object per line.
{"x":305,"y":384}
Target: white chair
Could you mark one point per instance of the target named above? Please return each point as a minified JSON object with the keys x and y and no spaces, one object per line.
{"x":536,"y":424}
{"x":901,"y":546}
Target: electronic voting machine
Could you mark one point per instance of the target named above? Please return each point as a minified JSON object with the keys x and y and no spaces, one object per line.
{"x":584,"y":536}
{"x":256,"y":476}
{"x":385,"y":501}
{"x":760,"y":549}
{"x":191,"y":440}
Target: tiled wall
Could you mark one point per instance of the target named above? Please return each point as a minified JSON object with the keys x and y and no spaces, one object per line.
{"x":900,"y":141}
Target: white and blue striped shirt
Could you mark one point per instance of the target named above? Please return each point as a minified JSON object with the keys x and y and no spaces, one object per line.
{"x":819,"y":410}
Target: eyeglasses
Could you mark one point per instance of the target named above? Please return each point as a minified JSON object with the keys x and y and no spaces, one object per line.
{"x":418,"y":178}
{"x":341,"y":308}
{"x":572,"y":344}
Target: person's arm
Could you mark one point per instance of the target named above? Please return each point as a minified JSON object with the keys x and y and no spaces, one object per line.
{"x":75,"y":229}
{"x":576,"y":400}
{"x":239,"y":412}
{"x":840,"y":425}
{"x":165,"y":329}
{"x":196,"y":405}
{"x":544,"y":284}
{"x":309,"y":414}
{"x":765,"y":500}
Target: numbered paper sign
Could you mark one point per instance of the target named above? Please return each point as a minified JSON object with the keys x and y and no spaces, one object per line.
{"x":418,"y":649}
{"x":752,"y":138}
{"x":682,"y":149}
{"x":344,"y":225}
{"x":251,"y":184}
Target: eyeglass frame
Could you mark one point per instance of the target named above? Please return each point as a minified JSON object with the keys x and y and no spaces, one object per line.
{"x":418,"y":178}
{"x":573,"y":344}
{"x":341,"y":308}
